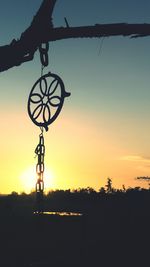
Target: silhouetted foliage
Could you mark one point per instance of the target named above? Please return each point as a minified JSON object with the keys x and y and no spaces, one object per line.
{"x":81,"y":199}
{"x":109,"y":188}
{"x":114,"y":222}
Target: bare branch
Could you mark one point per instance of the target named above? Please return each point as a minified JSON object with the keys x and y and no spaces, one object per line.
{"x":100,"y":30}
{"x":41,"y":30}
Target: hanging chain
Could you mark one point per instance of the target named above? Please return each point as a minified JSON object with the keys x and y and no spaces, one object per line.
{"x":42,"y":68}
{"x":43,"y":49}
{"x":40,"y":152}
{"x":40,"y":149}
{"x":40,"y":113}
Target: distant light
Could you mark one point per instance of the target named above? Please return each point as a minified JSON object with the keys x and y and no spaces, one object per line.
{"x":58,"y":213}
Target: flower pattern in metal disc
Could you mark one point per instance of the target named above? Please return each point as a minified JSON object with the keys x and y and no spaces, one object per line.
{"x":46,"y":100}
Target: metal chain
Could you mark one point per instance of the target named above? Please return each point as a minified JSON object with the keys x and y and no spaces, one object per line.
{"x":40,"y":152}
{"x":42,"y":69}
{"x":40,"y":149}
{"x":43,"y":49}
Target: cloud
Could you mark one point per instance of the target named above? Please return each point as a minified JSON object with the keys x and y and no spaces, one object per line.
{"x":135,"y":158}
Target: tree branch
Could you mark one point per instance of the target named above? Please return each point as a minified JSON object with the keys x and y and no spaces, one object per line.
{"x":41,"y":30}
{"x":99,"y":30}
{"x":22,"y":50}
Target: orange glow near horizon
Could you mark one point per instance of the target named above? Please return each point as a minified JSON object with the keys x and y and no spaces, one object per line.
{"x":103,"y":128}
{"x":28,"y":179}
{"x":79,"y":153}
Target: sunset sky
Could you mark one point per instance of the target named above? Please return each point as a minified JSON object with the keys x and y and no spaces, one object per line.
{"x":104,"y":127}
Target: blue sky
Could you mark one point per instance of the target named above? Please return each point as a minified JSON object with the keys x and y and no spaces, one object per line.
{"x":110,"y":90}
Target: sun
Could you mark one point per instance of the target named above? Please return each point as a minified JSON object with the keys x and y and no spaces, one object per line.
{"x":28,"y":179}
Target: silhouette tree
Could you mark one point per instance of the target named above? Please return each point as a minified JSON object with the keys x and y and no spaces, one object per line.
{"x":109,"y":188}
{"x":42,"y":31}
{"x":123,"y":187}
{"x":102,"y":191}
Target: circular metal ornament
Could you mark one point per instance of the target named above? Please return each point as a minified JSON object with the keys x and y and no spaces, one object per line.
{"x":46,"y":100}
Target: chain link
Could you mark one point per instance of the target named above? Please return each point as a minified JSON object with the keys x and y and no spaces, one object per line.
{"x":43,"y":49}
{"x":40,"y":152}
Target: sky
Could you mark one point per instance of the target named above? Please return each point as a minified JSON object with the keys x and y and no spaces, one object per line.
{"x":103,"y":128}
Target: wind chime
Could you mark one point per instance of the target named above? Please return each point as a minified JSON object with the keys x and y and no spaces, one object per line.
{"x":45,"y":102}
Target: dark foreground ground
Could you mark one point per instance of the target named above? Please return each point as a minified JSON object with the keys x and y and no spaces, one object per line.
{"x":109,"y":233}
